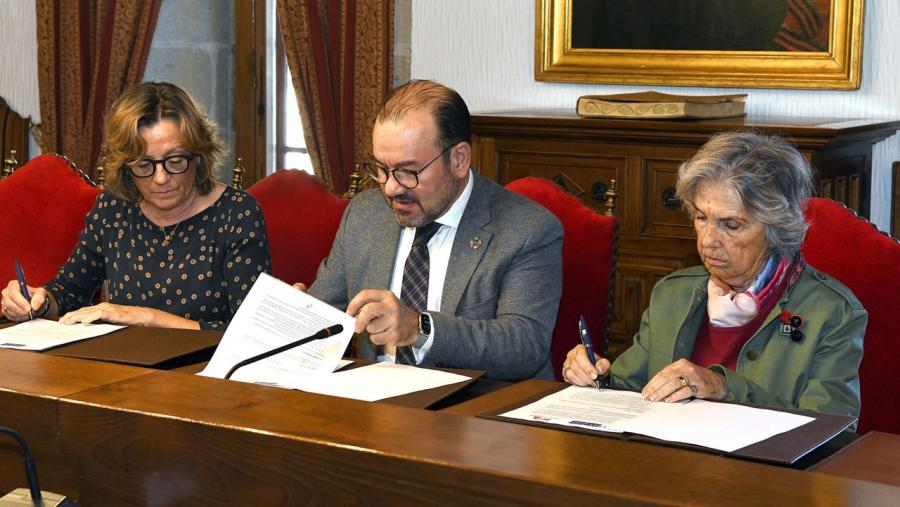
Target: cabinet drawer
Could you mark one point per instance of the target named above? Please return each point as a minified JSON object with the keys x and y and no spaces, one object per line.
{"x":585,"y":177}
{"x":663,"y":214}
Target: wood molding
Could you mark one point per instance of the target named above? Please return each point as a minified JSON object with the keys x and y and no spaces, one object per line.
{"x":250,"y":88}
{"x":895,"y":201}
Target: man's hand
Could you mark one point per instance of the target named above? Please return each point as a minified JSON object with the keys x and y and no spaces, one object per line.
{"x":385,"y":317}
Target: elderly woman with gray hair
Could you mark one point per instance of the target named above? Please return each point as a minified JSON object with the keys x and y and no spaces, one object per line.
{"x":754,"y":324}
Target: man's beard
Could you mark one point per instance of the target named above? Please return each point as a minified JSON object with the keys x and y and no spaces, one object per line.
{"x":450,"y":193}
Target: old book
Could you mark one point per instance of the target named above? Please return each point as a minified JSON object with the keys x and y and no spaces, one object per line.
{"x":655,"y":105}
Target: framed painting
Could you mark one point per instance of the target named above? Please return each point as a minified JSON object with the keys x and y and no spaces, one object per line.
{"x":814,"y":44}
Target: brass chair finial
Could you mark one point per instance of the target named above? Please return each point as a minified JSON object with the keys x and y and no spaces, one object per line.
{"x":237,"y":174}
{"x":356,"y":178}
{"x":100,"y":176}
{"x":611,"y":196}
{"x":10,"y":164}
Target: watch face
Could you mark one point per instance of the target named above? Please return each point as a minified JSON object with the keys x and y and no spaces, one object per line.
{"x":424,"y":324}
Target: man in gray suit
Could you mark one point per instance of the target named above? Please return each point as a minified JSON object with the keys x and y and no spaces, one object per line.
{"x":491,"y":272}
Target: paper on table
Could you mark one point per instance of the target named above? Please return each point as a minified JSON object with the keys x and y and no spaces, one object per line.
{"x":43,"y":334}
{"x":273,"y":314}
{"x":373,"y":382}
{"x":723,"y":426}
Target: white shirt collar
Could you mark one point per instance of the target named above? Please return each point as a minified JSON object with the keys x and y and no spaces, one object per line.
{"x":453,"y":216}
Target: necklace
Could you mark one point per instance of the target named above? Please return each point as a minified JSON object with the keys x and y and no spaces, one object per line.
{"x":169,"y":235}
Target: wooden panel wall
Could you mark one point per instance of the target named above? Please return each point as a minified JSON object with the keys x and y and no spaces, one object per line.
{"x":13,"y":133}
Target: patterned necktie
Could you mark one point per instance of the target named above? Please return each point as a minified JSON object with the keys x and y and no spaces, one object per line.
{"x":414,"y":290}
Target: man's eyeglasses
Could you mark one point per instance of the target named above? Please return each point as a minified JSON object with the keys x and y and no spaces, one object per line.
{"x":173,"y":164}
{"x":405,"y":177}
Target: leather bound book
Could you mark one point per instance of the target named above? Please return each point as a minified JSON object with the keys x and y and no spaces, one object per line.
{"x":655,"y":105}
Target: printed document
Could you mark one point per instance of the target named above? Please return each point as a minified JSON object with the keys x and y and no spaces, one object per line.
{"x":723,"y":426}
{"x":43,"y":334}
{"x":373,"y":382}
{"x":272,"y":315}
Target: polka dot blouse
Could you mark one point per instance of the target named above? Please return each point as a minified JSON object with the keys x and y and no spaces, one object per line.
{"x":203,"y":274}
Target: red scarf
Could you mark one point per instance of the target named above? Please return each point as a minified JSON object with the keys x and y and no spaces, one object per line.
{"x":722,"y":345}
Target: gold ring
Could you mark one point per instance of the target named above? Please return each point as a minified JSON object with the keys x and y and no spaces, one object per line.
{"x":683,"y":380}
{"x":693,"y":390}
{"x":565,"y":370}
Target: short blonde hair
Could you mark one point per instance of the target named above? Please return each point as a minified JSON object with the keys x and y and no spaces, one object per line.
{"x":143,"y":106}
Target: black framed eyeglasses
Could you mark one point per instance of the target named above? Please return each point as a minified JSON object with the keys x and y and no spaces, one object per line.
{"x":173,"y":164}
{"x":405,"y":177}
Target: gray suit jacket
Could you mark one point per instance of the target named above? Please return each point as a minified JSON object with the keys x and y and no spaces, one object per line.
{"x":499,"y":301}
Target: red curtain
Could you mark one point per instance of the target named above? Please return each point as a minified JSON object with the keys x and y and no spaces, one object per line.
{"x":340,"y":55}
{"x":89,"y":52}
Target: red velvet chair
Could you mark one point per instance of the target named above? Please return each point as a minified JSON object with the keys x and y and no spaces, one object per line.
{"x":867,"y":261}
{"x":589,"y":255}
{"x":302,"y":218}
{"x":43,"y":205}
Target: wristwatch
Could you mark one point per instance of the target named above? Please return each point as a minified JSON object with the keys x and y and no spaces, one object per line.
{"x":424,"y":330}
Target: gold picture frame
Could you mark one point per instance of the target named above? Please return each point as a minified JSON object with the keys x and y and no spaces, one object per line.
{"x":836,"y":68}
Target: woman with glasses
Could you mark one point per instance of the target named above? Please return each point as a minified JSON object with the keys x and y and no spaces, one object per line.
{"x":179,"y":249}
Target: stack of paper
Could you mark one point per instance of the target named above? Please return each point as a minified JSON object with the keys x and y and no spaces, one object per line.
{"x":43,"y":334}
{"x":274,"y":314}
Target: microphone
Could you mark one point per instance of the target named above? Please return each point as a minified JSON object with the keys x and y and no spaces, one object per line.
{"x":36,"y":497}
{"x":324,"y":333}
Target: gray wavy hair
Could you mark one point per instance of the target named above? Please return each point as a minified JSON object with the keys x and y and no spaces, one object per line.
{"x":772,"y":179}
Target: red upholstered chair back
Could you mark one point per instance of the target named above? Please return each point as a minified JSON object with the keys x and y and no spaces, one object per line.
{"x":589,"y":253}
{"x":302,"y":218}
{"x":868,"y":262}
{"x":42,"y":210}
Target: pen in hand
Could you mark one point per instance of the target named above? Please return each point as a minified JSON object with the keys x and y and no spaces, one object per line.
{"x":588,"y":344}
{"x":20,"y":276}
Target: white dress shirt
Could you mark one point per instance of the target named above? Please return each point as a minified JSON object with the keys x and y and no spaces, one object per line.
{"x":439,"y":247}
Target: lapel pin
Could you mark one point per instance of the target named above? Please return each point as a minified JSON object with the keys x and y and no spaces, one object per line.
{"x":790,"y":325}
{"x":475,"y":243}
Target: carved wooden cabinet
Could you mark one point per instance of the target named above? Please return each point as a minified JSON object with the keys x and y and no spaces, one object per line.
{"x":655,"y":237}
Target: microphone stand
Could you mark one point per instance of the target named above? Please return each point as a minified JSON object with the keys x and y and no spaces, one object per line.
{"x":324,"y":333}
{"x":30,"y":470}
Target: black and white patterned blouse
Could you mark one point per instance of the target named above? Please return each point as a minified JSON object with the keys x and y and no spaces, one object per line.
{"x":203,"y":274}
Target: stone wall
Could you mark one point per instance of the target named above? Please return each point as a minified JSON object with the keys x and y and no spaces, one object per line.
{"x":193,"y":47}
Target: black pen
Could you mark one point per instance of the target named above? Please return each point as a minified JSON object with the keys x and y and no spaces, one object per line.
{"x":588,"y":344}
{"x":20,"y":276}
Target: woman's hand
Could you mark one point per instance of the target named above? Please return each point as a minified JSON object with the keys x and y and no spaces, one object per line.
{"x":684,"y":379}
{"x":112,"y":314}
{"x":578,"y":370}
{"x":16,"y":308}
{"x":128,"y":316}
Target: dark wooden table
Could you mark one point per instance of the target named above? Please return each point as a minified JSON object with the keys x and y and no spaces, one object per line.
{"x":118,"y":435}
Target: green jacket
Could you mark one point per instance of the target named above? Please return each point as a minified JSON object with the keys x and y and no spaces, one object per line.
{"x":820,"y":373}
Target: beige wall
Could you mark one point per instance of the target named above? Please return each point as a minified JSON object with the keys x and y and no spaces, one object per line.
{"x":193,"y":47}
{"x":485,"y":50}
{"x":18,"y":61}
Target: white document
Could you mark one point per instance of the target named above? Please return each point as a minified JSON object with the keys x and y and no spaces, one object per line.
{"x":274,"y":314}
{"x":373,"y":382}
{"x":723,"y":426}
{"x":43,"y":334}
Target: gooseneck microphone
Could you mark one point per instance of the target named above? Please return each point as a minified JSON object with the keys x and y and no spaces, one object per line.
{"x":30,"y":471}
{"x":324,"y":333}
